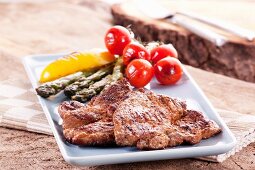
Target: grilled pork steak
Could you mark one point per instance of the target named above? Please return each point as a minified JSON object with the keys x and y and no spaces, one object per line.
{"x":138,"y":118}
{"x":151,"y":134}
{"x":91,"y":124}
{"x":142,"y":114}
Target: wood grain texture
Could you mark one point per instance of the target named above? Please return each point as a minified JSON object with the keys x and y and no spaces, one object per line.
{"x":225,"y":92}
{"x":236,"y":58}
{"x":25,"y":150}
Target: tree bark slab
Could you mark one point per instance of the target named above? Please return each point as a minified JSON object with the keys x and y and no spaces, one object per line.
{"x":236,"y":58}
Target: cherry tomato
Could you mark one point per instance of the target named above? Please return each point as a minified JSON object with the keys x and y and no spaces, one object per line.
{"x":163,"y":51}
{"x":168,"y":70}
{"x":116,"y":39}
{"x":135,"y":50}
{"x":139,"y":72}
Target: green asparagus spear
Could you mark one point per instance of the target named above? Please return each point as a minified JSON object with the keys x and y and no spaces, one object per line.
{"x":117,"y":70}
{"x":94,"y":89}
{"x":73,"y":88}
{"x":52,"y":88}
{"x":87,"y":93}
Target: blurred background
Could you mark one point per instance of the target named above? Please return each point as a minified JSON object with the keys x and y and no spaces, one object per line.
{"x":53,"y":26}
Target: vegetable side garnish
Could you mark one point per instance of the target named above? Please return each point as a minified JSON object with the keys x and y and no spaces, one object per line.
{"x":84,"y":75}
{"x":74,"y":62}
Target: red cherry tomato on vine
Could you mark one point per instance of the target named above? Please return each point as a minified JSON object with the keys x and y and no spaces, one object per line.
{"x":168,"y":70}
{"x":135,"y":50}
{"x":116,"y":39}
{"x":139,"y":72}
{"x":163,"y":51}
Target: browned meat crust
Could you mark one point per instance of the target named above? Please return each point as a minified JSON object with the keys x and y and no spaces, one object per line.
{"x":133,"y":118}
{"x":91,"y":124}
{"x":97,"y":133}
{"x":73,"y":115}
{"x":150,"y":121}
{"x":190,"y":129}
{"x":142,"y":114}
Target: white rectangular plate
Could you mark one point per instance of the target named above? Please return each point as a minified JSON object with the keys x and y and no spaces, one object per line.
{"x":185,"y":89}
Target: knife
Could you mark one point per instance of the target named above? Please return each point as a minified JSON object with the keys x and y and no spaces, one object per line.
{"x":153,"y":10}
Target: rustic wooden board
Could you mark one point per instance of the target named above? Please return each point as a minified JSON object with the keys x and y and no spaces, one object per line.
{"x":235,"y":59}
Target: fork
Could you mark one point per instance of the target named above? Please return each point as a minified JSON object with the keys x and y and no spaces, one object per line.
{"x":155,"y":11}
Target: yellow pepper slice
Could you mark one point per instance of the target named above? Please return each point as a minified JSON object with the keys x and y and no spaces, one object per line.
{"x":77,"y":61}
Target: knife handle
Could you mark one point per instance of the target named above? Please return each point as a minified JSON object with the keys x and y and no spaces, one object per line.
{"x":215,"y":38}
{"x":234,"y":29}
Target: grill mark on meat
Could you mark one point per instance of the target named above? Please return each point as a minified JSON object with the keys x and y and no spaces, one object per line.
{"x":191,"y":129}
{"x":98,"y":133}
{"x":138,"y":118}
{"x":166,"y":122}
{"x":147,"y":105}
{"x":91,"y":124}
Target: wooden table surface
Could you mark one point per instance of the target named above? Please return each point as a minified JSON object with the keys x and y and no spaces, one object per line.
{"x":61,"y":26}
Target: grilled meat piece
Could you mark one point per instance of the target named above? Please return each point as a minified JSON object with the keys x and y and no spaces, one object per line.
{"x":143,"y":114}
{"x":74,"y":115}
{"x":190,"y":129}
{"x":138,"y":118}
{"x":67,"y":112}
{"x":91,"y":124}
{"x":150,"y":121}
{"x":195,"y":127}
{"x":97,"y":133}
